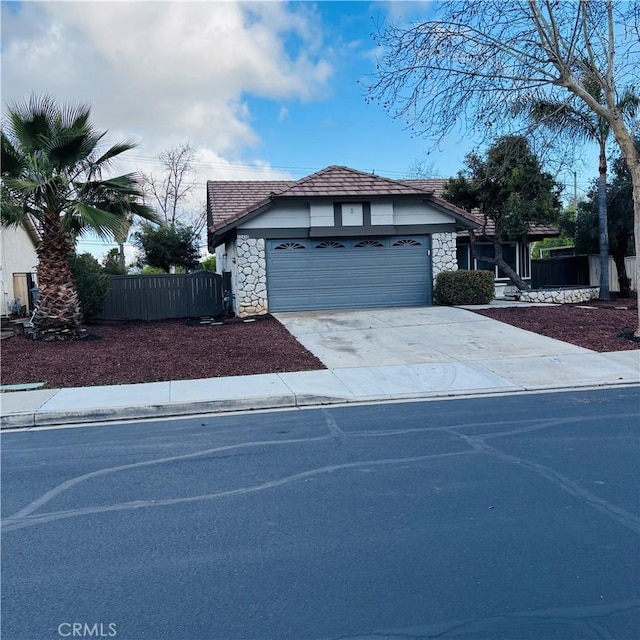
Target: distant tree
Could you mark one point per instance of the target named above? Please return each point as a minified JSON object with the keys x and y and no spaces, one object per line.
{"x":92,"y":283}
{"x":167,"y":246}
{"x":151,"y":271}
{"x":620,"y":221}
{"x":208,"y":264}
{"x":510,"y":190}
{"x":549,"y":243}
{"x":52,"y":171}
{"x":421,"y":169}
{"x":112,"y":265}
{"x":169,"y":191}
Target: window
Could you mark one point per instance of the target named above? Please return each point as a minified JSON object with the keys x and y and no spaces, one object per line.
{"x":407,"y":242}
{"x":509,"y":253}
{"x":462,"y":253}
{"x":287,"y":246}
{"x":368,"y":244}
{"x":329,"y":244}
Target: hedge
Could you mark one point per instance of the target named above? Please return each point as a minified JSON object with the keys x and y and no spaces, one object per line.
{"x":464,"y":287}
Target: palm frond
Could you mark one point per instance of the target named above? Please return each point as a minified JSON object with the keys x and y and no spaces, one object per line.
{"x":30,"y":122}
{"x":12,"y":212}
{"x":564,"y":117}
{"x":629,"y":103}
{"x":143,"y":211}
{"x":81,"y":215}
{"x":11,"y":162}
{"x":114,"y":151}
{"x":21,"y":185}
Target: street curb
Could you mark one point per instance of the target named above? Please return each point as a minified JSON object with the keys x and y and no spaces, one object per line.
{"x":29,"y":420}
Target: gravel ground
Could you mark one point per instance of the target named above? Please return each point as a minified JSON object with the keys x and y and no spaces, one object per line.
{"x":599,"y":326}
{"x":181,"y":350}
{"x":155,"y":351}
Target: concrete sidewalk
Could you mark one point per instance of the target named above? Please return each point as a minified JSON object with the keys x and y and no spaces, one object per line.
{"x":23,"y":409}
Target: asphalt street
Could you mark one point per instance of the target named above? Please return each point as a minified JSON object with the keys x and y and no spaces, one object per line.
{"x":509,"y":518}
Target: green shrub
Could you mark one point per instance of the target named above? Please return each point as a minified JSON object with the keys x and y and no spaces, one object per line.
{"x":208,"y":264}
{"x":464,"y":287}
{"x":92,"y":283}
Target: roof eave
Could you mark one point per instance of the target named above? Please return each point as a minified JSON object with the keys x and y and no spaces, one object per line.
{"x":462,"y":221}
{"x":222,"y":233}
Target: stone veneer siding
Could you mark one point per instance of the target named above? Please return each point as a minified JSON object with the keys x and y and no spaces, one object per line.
{"x":443,"y":253}
{"x":251,"y":293}
{"x":561,"y":296}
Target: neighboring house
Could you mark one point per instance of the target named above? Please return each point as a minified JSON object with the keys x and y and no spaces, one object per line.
{"x":517,"y":254}
{"x":339,"y":238}
{"x":18,"y":264}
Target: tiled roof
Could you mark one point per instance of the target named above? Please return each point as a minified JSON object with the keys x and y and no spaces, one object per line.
{"x":342,"y":181}
{"x":231,"y":200}
{"x":433,"y":185}
{"x":436,"y":186}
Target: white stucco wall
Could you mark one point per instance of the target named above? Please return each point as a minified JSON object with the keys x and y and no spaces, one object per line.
{"x":17,"y":255}
{"x":382,"y":212}
{"x":284,"y":216}
{"x":417,"y":212}
{"x":321,"y":214}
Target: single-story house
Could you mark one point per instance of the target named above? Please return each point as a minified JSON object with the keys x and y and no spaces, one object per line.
{"x":339,"y":238}
{"x":18,"y":265}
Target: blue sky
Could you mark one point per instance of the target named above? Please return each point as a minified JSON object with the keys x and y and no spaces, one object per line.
{"x":263,"y":89}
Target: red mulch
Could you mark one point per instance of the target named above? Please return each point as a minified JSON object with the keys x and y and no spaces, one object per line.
{"x":155,"y":351}
{"x":603,"y":327}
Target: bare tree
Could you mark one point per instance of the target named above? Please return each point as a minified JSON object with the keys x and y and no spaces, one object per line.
{"x":465,"y":68}
{"x":422,"y":169}
{"x":170,"y":191}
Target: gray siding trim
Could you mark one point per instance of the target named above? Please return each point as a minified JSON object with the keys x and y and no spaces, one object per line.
{"x":276,"y":233}
{"x":350,"y":232}
{"x":421,"y":229}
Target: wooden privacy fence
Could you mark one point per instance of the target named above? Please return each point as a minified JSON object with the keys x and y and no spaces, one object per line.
{"x":560,"y":272}
{"x":614,"y":285}
{"x":160,"y":297}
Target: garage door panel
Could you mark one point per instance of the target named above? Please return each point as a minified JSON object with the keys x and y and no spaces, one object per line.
{"x":348,"y":273}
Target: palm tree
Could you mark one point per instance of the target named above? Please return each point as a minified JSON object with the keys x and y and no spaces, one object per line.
{"x":581,"y":123}
{"x":52,"y":166}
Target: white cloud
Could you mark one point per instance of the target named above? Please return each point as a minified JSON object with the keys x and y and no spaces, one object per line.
{"x":283,"y":114}
{"x":165,"y":72}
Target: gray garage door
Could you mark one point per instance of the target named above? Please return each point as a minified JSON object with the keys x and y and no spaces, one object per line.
{"x":338,"y":273}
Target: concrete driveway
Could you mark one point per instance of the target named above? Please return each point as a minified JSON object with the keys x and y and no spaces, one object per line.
{"x":433,"y":350}
{"x":415,"y":335}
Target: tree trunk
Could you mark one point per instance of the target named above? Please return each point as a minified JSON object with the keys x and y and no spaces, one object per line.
{"x":603,"y":224}
{"x":57,"y":315}
{"x":498,"y":260}
{"x":635,"y":181}
{"x":632,"y":158}
{"x":624,"y":282}
{"x":121,"y":259}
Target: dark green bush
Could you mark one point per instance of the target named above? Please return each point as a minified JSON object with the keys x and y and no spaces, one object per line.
{"x":464,"y":287}
{"x":92,"y":283}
